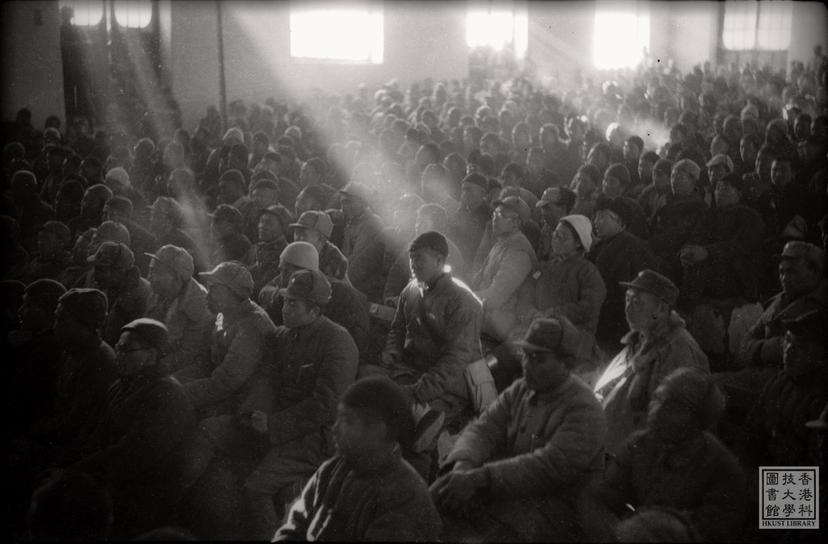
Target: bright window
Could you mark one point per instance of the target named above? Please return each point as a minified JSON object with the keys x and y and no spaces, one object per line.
{"x":339,"y":34}
{"x":498,"y":27}
{"x":622,"y":33}
{"x":749,"y":24}
{"x":86,"y":12}
{"x":133,"y":13}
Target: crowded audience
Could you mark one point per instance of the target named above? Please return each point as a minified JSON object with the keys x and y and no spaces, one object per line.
{"x":475,"y":311}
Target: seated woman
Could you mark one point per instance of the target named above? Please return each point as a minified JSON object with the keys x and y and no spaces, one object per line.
{"x":674,"y":462}
{"x":568,"y":285}
{"x":367,"y":491}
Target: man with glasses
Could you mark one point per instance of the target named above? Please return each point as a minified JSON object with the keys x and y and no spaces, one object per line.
{"x":507,"y":266}
{"x":137,"y":446}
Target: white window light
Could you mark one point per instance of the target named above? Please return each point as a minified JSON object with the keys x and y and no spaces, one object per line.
{"x":622,"y":33}
{"x":498,"y":27}
{"x":338,"y":34}
{"x":86,"y":12}
{"x":133,"y":13}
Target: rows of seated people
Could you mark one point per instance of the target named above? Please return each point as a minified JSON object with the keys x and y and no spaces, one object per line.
{"x":470,"y":312}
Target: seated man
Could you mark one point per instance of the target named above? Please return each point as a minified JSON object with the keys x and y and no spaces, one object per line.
{"x":367,"y":492}
{"x":719,"y":257}
{"x":675,"y":462}
{"x":229,"y":243}
{"x":508,"y":264}
{"x":137,"y":445}
{"x":518,"y":470}
{"x":315,"y":227}
{"x":363,"y":242}
{"x":33,"y":357}
{"x":657,"y":344}
{"x":776,"y":432}
{"x":263,"y":257}
{"x":347,"y":307}
{"x":84,"y":374}
{"x":180,"y":302}
{"x":803,"y":290}
{"x":435,"y":334}
{"x":221,"y":383}
{"x":120,"y":280}
{"x":315,"y":360}
{"x":619,"y":255}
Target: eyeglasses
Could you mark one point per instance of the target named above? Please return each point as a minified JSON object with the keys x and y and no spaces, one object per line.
{"x":500,"y":215}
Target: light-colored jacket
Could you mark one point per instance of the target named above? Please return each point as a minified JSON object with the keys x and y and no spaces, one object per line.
{"x":628,"y":383}
{"x":222,"y":384}
{"x":188,"y":322}
{"x":540,"y":449}
{"x":508,"y":265}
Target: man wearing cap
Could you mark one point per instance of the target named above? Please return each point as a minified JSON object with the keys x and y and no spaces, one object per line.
{"x":615,"y":184}
{"x":315,"y":227}
{"x":518,"y":472}
{"x":803,"y":290}
{"x":315,"y":360}
{"x":469,"y":223}
{"x":363,"y":243}
{"x":263,"y":257}
{"x":717,"y":168}
{"x":138,"y":445}
{"x":656,"y":194}
{"x":347,"y":307}
{"x":657,"y":344}
{"x":120,"y":210}
{"x":128,"y":293}
{"x":677,"y":462}
{"x":435,"y":334}
{"x":673,"y":223}
{"x":776,"y":432}
{"x":367,"y":492}
{"x":180,"y":303}
{"x":719,"y":256}
{"x":220,"y":383}
{"x":117,"y":179}
{"x":619,"y":255}
{"x":505,"y":269}
{"x":569,"y":284}
{"x":263,"y":193}
{"x":94,"y":199}
{"x":555,"y":202}
{"x":84,"y":374}
{"x":52,"y":256}
{"x":34,"y":356}
{"x":229,"y":244}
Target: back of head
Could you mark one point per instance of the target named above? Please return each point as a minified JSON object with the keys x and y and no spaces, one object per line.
{"x":380,"y":398}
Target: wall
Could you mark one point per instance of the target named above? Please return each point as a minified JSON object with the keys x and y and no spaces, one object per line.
{"x":810,"y":28}
{"x":687,"y":32}
{"x":32,"y":69}
{"x":560,"y":39}
{"x":419,"y":43}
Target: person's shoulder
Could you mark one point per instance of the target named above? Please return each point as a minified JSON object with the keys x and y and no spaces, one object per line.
{"x":256,"y":318}
{"x":194,"y":301}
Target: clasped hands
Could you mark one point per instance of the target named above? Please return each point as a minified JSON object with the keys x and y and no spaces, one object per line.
{"x":454,"y":490}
